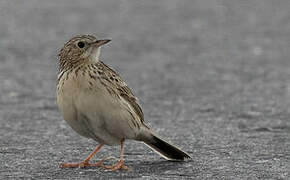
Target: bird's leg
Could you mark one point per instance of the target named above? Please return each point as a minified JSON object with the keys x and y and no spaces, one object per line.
{"x":119,"y":165}
{"x":86,"y":163}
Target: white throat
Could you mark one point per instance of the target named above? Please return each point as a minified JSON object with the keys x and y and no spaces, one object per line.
{"x":93,"y":54}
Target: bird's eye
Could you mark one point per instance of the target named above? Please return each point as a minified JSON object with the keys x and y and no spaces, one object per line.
{"x":81,"y":44}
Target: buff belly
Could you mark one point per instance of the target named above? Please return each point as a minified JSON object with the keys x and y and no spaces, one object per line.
{"x":95,"y":114}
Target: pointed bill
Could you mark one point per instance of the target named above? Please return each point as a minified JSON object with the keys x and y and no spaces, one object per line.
{"x":99,"y":43}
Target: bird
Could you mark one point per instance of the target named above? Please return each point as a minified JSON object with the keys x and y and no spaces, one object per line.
{"x":97,"y":103}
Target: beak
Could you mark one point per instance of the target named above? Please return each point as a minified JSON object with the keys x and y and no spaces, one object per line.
{"x":98,"y":43}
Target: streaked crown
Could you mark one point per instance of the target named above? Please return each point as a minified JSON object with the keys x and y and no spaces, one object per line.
{"x":72,"y":51}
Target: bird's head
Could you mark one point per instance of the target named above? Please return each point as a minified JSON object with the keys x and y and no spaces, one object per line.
{"x":80,"y":49}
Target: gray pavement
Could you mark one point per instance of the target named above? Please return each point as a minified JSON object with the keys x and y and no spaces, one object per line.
{"x":212,"y":77}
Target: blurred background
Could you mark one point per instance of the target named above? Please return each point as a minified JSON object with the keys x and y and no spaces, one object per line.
{"x":212,"y":77}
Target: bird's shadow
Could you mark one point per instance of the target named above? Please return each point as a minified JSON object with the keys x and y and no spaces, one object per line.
{"x":137,"y":169}
{"x":156,"y":166}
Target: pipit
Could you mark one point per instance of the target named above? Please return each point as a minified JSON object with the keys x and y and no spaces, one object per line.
{"x":98,"y":104}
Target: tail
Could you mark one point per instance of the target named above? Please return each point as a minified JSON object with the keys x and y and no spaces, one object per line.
{"x":166,"y":150}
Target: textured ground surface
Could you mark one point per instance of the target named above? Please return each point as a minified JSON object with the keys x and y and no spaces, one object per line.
{"x":212,"y":77}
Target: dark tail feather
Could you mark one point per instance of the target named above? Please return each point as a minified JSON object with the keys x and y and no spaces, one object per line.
{"x":167,"y":150}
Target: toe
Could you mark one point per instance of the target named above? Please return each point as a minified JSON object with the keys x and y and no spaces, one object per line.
{"x":65,"y":165}
{"x":117,"y":166}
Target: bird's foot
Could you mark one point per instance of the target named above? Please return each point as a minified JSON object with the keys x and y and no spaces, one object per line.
{"x":81,"y":164}
{"x":85,"y":164}
{"x":118,"y":166}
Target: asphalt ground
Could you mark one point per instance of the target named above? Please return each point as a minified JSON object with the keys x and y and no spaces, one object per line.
{"x":212,"y":78}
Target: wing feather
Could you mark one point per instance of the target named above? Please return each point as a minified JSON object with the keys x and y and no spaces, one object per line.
{"x":123,"y":90}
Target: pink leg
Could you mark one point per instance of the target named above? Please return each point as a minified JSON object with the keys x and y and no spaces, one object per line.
{"x":119,"y":165}
{"x":86,"y":163}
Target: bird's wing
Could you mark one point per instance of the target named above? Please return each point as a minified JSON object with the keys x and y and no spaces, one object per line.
{"x":122,"y":89}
